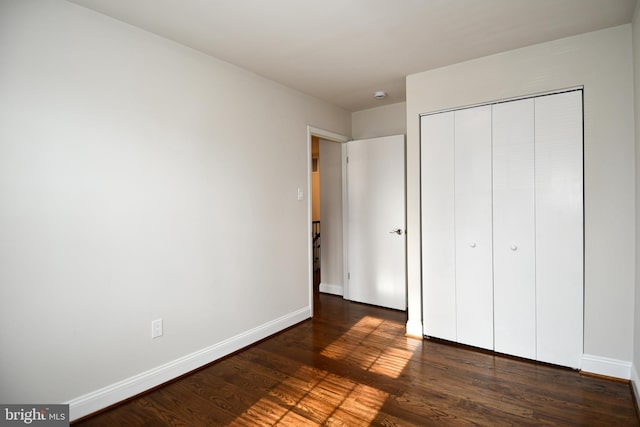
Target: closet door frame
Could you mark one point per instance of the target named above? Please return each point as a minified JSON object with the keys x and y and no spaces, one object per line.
{"x":549,"y":308}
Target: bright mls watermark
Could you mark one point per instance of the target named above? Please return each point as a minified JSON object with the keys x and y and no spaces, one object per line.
{"x":35,"y":415}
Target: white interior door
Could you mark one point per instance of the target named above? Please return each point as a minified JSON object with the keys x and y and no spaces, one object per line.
{"x":473,"y":227}
{"x":514,"y":276}
{"x":376,"y":222}
{"x":559,"y":228}
{"x":438,"y":228}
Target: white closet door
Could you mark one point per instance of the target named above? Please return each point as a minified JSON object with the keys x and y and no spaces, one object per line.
{"x":514,"y":229}
{"x":438,"y":252}
{"x":559,"y":228}
{"x":473,"y":227}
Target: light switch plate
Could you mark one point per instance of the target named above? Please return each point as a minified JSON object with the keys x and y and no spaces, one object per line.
{"x":156,"y":328}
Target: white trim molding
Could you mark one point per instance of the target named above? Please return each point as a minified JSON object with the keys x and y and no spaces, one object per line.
{"x":331,"y":136}
{"x":414,"y":329}
{"x":635,"y":382}
{"x":328,"y":288}
{"x":114,"y":393}
{"x":606,"y":366}
{"x":325,"y":134}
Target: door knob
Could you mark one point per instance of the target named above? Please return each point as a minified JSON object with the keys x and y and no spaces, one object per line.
{"x":514,"y":248}
{"x":396,"y":231}
{"x":472,"y":245}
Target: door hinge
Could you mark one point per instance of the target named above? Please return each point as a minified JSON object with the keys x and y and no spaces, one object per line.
{"x":348,"y":276}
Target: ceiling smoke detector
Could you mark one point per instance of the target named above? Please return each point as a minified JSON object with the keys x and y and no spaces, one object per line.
{"x":380,"y":94}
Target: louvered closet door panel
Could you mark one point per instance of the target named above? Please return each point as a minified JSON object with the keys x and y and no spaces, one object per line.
{"x":513,"y":229}
{"x":559,"y":228}
{"x":438,"y":253}
{"x":473,"y":229}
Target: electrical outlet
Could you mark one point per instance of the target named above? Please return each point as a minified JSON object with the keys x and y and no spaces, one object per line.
{"x":156,"y":328}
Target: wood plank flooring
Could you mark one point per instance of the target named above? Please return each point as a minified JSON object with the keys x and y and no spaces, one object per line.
{"x":352,"y":366}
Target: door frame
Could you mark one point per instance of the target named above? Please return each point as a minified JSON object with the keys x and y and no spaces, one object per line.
{"x":335,"y":137}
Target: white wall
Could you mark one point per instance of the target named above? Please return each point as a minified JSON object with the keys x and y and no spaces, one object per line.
{"x":602,"y":62}
{"x":331,"y":247}
{"x":315,"y":180}
{"x":140,"y":179}
{"x":315,"y":192}
{"x":636,"y":84}
{"x":385,"y":120}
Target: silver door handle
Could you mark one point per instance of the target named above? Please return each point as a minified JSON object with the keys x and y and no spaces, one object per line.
{"x":396,"y":231}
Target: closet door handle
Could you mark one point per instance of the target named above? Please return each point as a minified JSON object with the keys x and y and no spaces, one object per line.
{"x":472,"y":245}
{"x":514,"y":248}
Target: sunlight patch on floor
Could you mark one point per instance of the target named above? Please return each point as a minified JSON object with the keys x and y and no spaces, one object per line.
{"x":330,"y":399}
{"x":313,"y":396}
{"x":362,"y":347}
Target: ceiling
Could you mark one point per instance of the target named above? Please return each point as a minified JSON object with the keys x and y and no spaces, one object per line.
{"x":344,"y":50}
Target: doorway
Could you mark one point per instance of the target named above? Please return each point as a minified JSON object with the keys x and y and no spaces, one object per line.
{"x":325,"y":213}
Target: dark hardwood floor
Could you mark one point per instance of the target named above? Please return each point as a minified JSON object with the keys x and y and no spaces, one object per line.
{"x":352,"y":366}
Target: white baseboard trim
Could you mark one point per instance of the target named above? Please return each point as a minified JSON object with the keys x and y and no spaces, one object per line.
{"x":606,"y":366}
{"x":331,"y":289}
{"x":635,"y":383}
{"x":114,"y":393}
{"x":414,"y":328}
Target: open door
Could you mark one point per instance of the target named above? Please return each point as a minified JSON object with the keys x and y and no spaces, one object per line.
{"x":376,"y":241}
